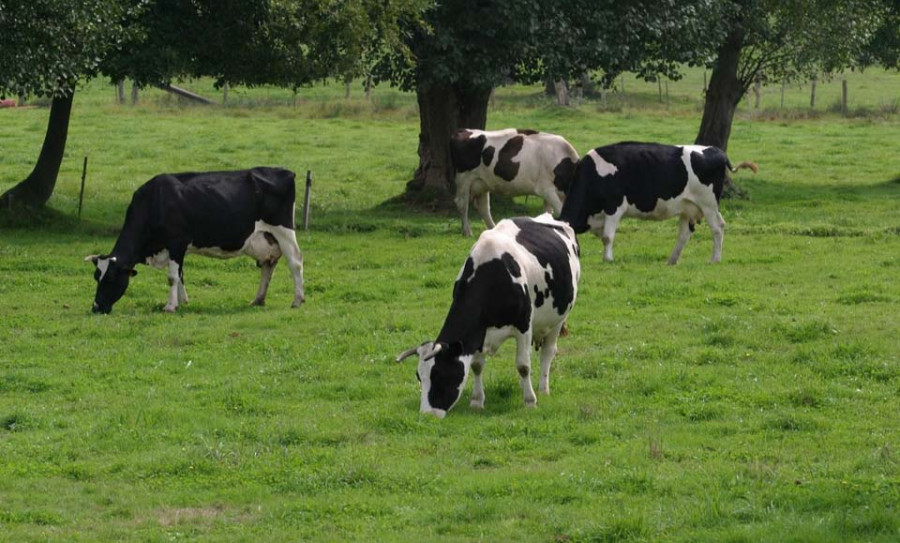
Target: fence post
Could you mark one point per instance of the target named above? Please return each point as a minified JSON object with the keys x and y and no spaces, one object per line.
{"x":81,"y":193}
{"x":843,"y":94}
{"x":812,"y":95}
{"x":757,"y":90}
{"x":306,"y":200}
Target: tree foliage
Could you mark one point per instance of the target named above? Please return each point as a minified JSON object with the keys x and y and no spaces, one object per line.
{"x":289,"y":43}
{"x":47,"y":46}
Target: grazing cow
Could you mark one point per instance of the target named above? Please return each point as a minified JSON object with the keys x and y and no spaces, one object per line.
{"x":519,"y":280}
{"x":218,"y":214}
{"x":512,"y":162}
{"x":650,"y":181}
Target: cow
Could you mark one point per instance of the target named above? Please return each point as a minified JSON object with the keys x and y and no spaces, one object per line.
{"x":650,"y":181}
{"x":512,"y":162}
{"x":220,"y":214}
{"x":520,"y":280}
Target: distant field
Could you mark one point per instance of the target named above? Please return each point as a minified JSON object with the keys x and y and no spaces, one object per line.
{"x":755,"y":400}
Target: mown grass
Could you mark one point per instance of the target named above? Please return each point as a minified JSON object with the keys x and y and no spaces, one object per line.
{"x":754,"y":400}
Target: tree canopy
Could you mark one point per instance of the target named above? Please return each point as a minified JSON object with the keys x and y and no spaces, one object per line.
{"x":47,"y":46}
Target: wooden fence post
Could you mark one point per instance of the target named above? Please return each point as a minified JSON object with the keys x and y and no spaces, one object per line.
{"x":843,"y":94}
{"x":306,"y":200}
{"x":812,"y":94}
{"x":81,"y":193}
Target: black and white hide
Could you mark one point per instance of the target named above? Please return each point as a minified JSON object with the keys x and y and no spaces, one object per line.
{"x":520,"y":280}
{"x":650,"y":181}
{"x":217,"y":214}
{"x":512,"y":162}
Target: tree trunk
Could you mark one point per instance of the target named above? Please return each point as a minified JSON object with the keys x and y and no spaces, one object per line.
{"x":562,"y":93}
{"x":37,"y":188}
{"x":443,"y":109}
{"x":723,"y":95}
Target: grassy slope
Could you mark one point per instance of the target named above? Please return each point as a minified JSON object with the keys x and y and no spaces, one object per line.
{"x":754,"y":400}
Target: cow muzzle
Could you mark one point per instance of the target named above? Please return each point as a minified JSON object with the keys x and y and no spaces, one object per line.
{"x":97,"y":309}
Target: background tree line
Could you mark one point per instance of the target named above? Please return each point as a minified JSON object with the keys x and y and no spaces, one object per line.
{"x":452,"y":54}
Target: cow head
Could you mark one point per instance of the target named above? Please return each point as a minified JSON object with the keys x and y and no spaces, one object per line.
{"x":112,"y":281}
{"x":442,"y":371}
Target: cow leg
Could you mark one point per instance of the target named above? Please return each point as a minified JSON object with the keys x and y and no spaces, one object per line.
{"x":684,"y":234}
{"x":174,"y":277}
{"x":610,"y":224}
{"x":523,"y":365}
{"x":552,"y":202}
{"x":548,"y":352}
{"x":477,"y":400}
{"x":182,"y":293}
{"x":717,"y":225}
{"x":287,"y":242}
{"x":266,"y":269}
{"x":483,"y":205}
{"x":463,"y":186}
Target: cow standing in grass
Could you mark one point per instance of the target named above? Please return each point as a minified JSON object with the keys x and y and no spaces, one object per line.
{"x":511,"y":162}
{"x":520,"y":280}
{"x":218,"y":214}
{"x":650,"y":181}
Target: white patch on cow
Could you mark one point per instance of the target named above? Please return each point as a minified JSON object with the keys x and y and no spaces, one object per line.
{"x":603,"y":167}
{"x":256,"y":246}
{"x":103,"y":266}
{"x":160,"y":260}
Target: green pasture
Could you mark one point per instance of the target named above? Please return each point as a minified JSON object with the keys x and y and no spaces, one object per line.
{"x":754,"y":400}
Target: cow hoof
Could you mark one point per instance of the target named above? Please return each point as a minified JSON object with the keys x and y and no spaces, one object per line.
{"x":671,"y":262}
{"x":531,"y":405}
{"x":298,"y":303}
{"x":476,"y":404}
{"x":257,"y":301}
{"x":170,"y":308}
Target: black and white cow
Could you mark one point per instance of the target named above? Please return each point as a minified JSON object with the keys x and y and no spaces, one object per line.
{"x":520,"y":280}
{"x":650,"y":181}
{"x":512,"y":162}
{"x":218,"y":214}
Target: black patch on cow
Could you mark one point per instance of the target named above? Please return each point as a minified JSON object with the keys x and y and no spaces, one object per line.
{"x":487,"y":155}
{"x":486,"y":296}
{"x":524,"y":371}
{"x":506,"y":169}
{"x":646,"y":172}
{"x":465,"y":151}
{"x":540,"y":296}
{"x":563,"y":174}
{"x":546,"y":243}
{"x":447,"y":376}
{"x":709,"y":166}
{"x":514,"y":269}
{"x":527,"y":132}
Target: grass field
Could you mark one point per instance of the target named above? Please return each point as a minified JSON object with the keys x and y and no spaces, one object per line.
{"x":755,"y":400}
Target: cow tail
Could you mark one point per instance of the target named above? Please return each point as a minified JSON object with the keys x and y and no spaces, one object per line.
{"x":745,"y":164}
